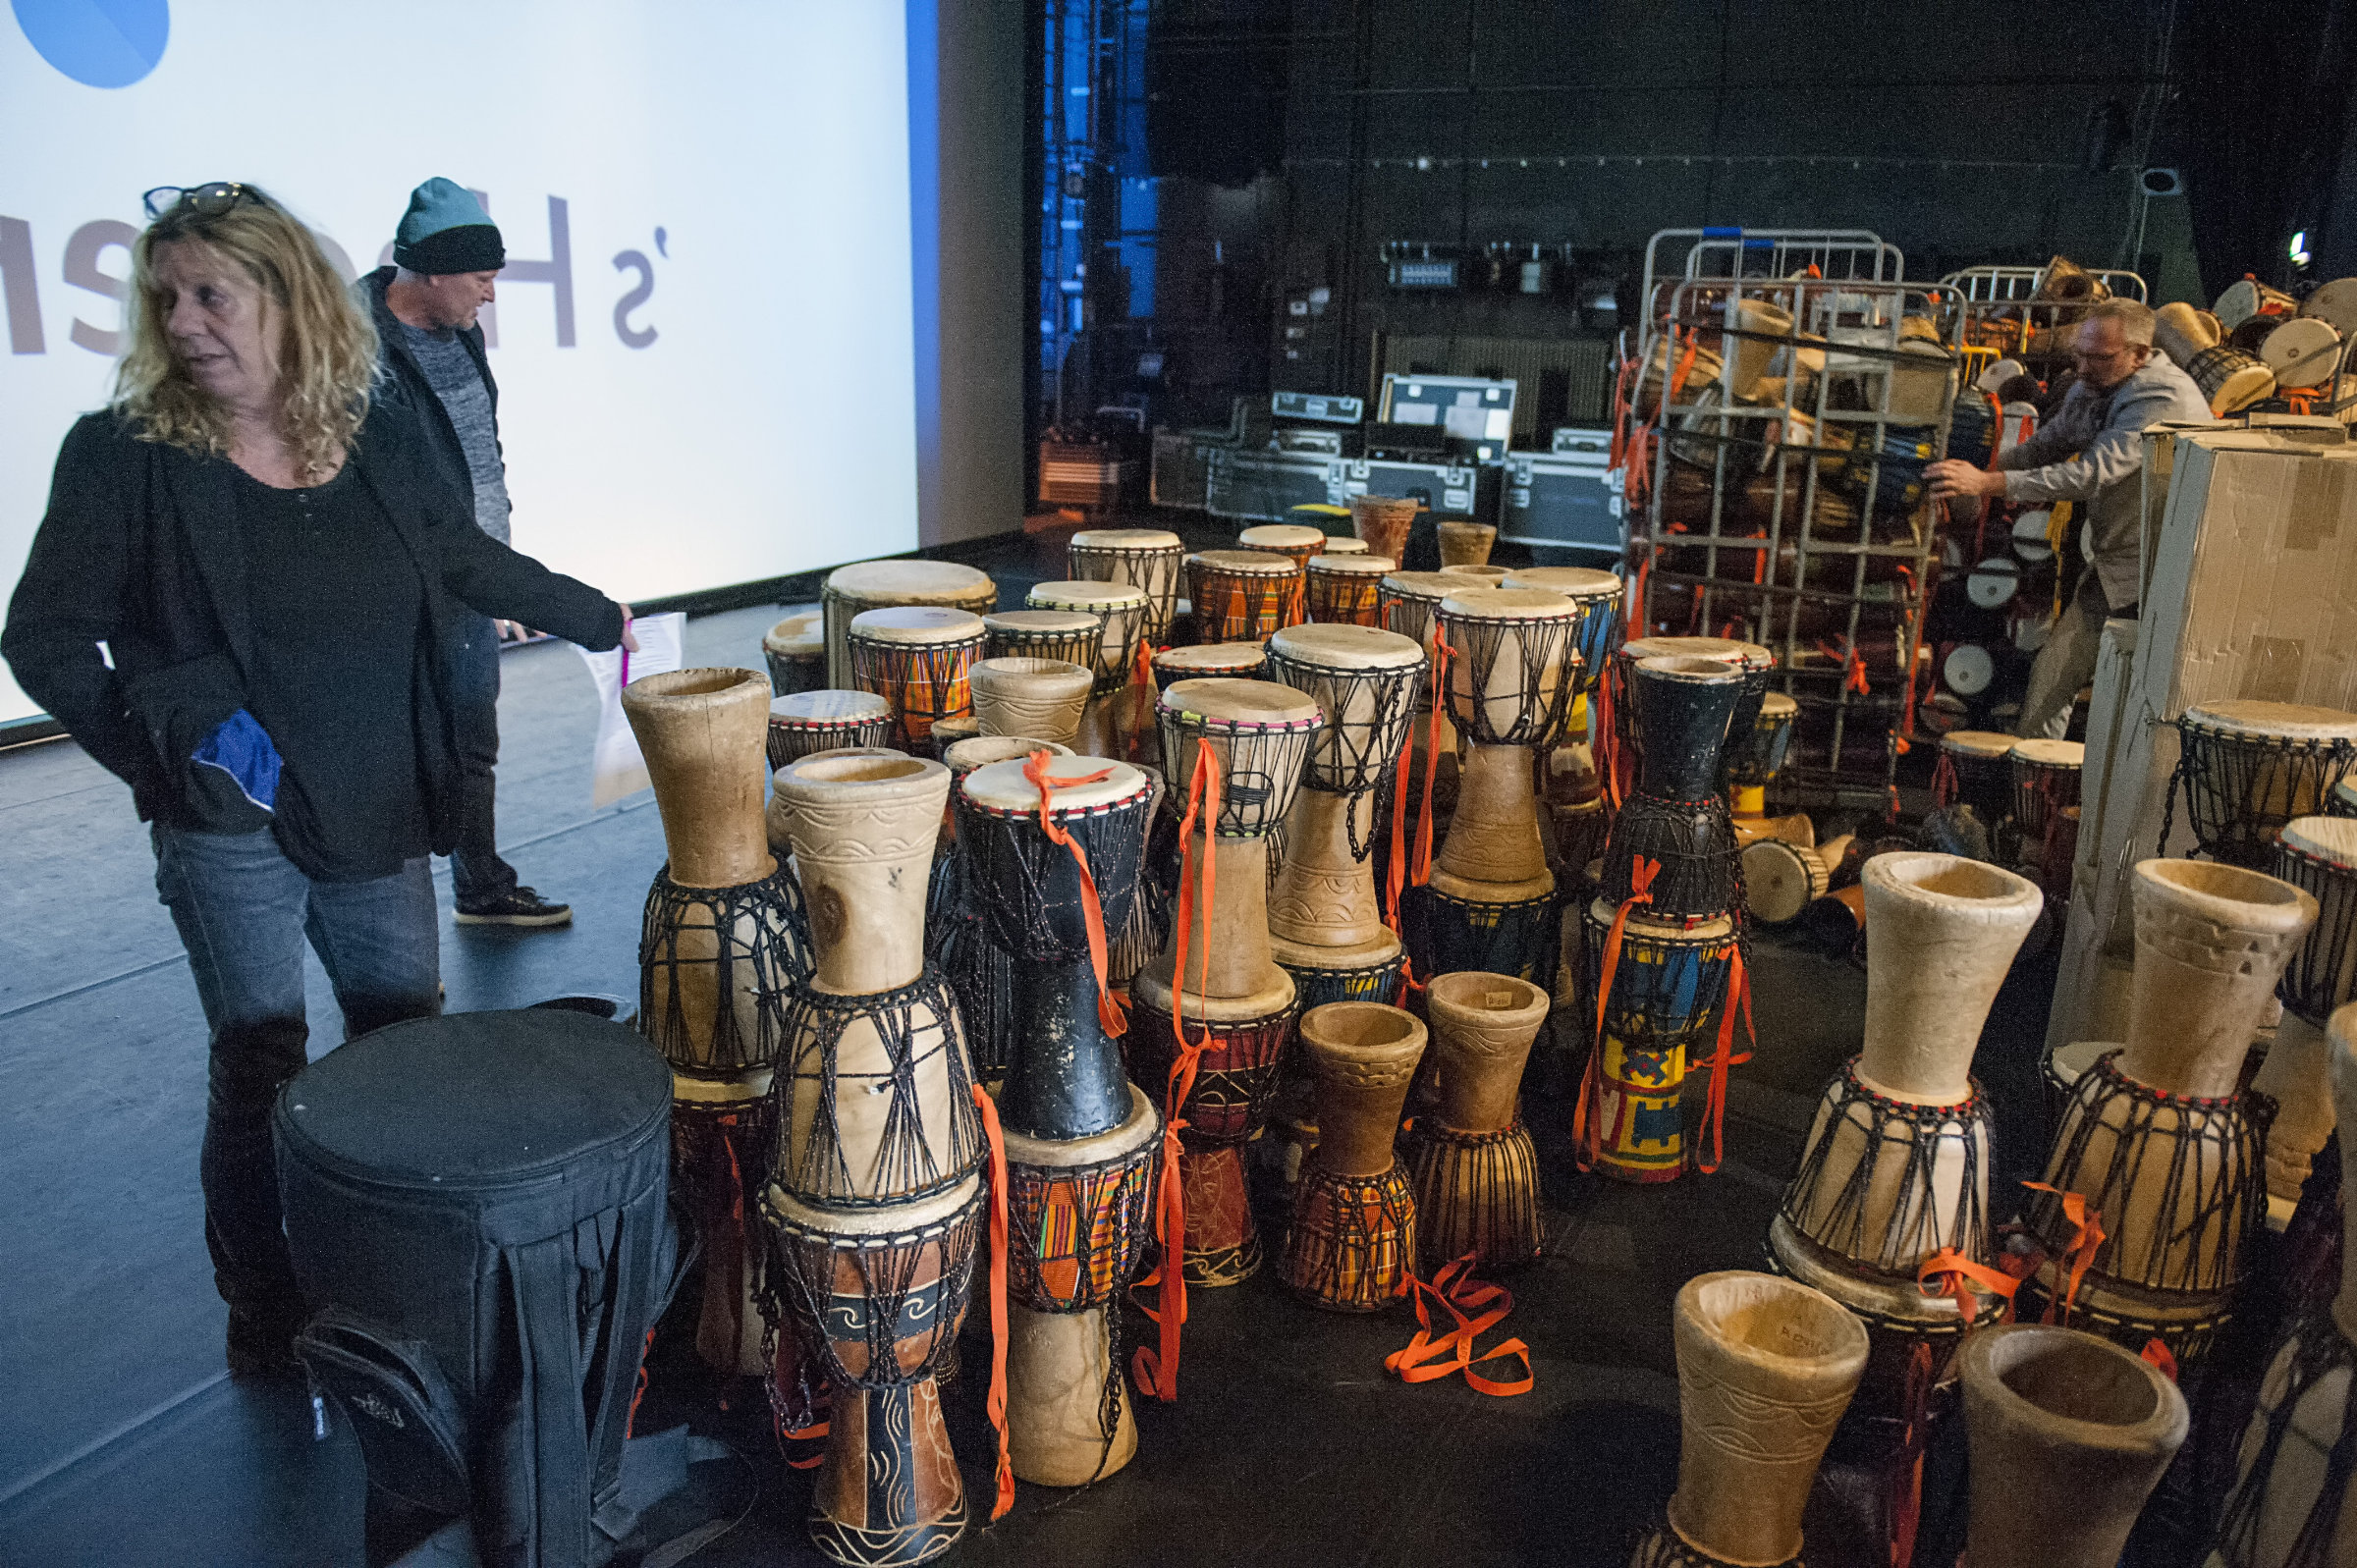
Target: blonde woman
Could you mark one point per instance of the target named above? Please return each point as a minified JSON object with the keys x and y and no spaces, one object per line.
{"x":239,"y":601}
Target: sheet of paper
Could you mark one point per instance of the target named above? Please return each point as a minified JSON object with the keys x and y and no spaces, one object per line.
{"x":618,"y":769}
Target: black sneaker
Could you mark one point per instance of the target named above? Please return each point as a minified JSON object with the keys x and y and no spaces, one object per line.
{"x":519,"y":907}
{"x":261,"y":1344}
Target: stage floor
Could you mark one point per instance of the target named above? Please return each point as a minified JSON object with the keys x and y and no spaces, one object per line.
{"x":124,"y":1443}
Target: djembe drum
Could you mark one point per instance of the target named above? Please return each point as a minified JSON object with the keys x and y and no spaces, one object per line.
{"x":1756,"y":662}
{"x":1668,"y":984}
{"x":2343,"y":800}
{"x":919,"y":660}
{"x":2159,"y":1139}
{"x":1346,"y":591}
{"x":1676,"y":821}
{"x":805,"y":722}
{"x":1411,"y":601}
{"x":1765,"y":1369}
{"x":1071,"y":635}
{"x":2317,"y":854}
{"x":1574,"y":779}
{"x":1781,"y":880}
{"x":1466,"y":544}
{"x":958,"y":941}
{"x":2046,"y":778}
{"x":1385,"y":522}
{"x":1345,"y":544}
{"x":884,"y":584}
{"x":1145,"y":559}
{"x":2068,"y":1436}
{"x":1123,"y":708}
{"x":1487,"y":577}
{"x":874,"y":1200}
{"x":1895,"y":1169}
{"x":1470,"y":1161}
{"x":2294,"y":1502}
{"x":1247,"y":740}
{"x":1080,"y":1139}
{"x":1295,"y":542}
{"x":1352,"y":1242}
{"x":1755,"y":756}
{"x":1976,"y":770}
{"x":1510,"y":674}
{"x":1209,"y":661}
{"x":795,"y":648}
{"x":2248,"y":768}
{"x":1242,"y":595}
{"x":1325,"y":922}
{"x":723,"y":947}
{"x":1042,"y":697}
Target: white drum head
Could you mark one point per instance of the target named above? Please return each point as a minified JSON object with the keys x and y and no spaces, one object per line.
{"x":2335,"y":302}
{"x":2041,"y":752}
{"x":2332,"y":839}
{"x":907,"y":581}
{"x":797,"y":635}
{"x":2237,"y":304}
{"x":1350,"y":565}
{"x":1723,"y":649}
{"x":1043,"y":622}
{"x":1244,"y":562}
{"x":1280,"y":536}
{"x":1984,"y":745}
{"x":1576,"y":583}
{"x":1003,"y":787}
{"x":962,"y":757}
{"x":1429,"y":586}
{"x":2029,"y":536}
{"x":1210,"y":656}
{"x":2288,"y":721}
{"x":1100,"y":597}
{"x":1508,"y":604}
{"x":2304,"y":351}
{"x":1968,"y":670}
{"x":1993,"y":583}
{"x":1144,"y":541}
{"x":1781,"y":881}
{"x":1777,"y":706}
{"x":922,"y":624}
{"x":1346,"y":647}
{"x":1344,"y":544}
{"x":825,"y":708}
{"x":1229,"y":703}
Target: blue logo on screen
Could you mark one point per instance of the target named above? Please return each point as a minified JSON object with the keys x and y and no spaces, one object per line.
{"x":99,"y":44}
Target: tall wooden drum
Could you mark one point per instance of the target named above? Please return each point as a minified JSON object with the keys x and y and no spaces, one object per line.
{"x":1352,"y":1242}
{"x":883,"y":584}
{"x":1471,"y":1162}
{"x":1147,"y":559}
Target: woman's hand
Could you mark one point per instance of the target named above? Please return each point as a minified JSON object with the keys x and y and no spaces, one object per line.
{"x":629,"y":639}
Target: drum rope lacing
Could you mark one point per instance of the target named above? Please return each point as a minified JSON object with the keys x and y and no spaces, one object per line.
{"x":1363,"y":1256}
{"x":921,"y":1013}
{"x":2226,"y":774}
{"x":1399,"y":871}
{"x":2322,"y":969}
{"x":2318,"y":1351}
{"x":762,"y":952}
{"x":1915,"y":1228}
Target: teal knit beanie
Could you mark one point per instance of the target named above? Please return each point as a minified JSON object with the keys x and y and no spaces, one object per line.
{"x":446,"y":230}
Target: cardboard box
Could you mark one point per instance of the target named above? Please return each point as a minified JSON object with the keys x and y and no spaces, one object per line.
{"x":2252,"y":593}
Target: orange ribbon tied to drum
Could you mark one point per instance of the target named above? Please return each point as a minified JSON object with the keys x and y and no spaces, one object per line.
{"x":1476,"y":1306}
{"x":994,"y":1404}
{"x":1949,"y":1272}
{"x":2086,"y":1240}
{"x":1714,"y":1116}
{"x":1586,"y":1136}
{"x":1156,"y":1365}
{"x":1036,"y":769}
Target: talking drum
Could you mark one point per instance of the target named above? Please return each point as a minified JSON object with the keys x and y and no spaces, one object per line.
{"x":1071,"y":635}
{"x":2319,"y":857}
{"x":2295,"y":1500}
{"x":795,"y":648}
{"x":1292,"y":541}
{"x":1209,"y":661}
{"x":1145,"y":559}
{"x":1895,"y":1169}
{"x":1042,"y":697}
{"x":883,"y":584}
{"x":1975,"y":769}
{"x":2158,"y":1138}
{"x":1673,"y":845}
{"x":2046,"y":778}
{"x":2248,"y":768}
{"x":1346,"y":591}
{"x":957,"y":940}
{"x":1324,"y":918}
{"x":873,"y":1200}
{"x":822,"y":721}
{"x":1470,"y":1162}
{"x":1246,"y":742}
{"x":1782,"y":879}
{"x":1080,"y":1139}
{"x":1765,"y":1367}
{"x":1352,"y":1242}
{"x":1385,"y":522}
{"x":919,"y":660}
{"x":1242,"y":595}
{"x":722,"y":948}
{"x":1509,"y":674}
{"x":1669,"y":983}
{"x":877,"y":1295}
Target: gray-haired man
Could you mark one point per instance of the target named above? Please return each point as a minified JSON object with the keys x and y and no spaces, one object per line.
{"x":446,"y":254}
{"x":2090,"y":453}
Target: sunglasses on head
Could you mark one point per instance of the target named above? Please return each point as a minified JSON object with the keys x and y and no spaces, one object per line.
{"x":217,"y":196}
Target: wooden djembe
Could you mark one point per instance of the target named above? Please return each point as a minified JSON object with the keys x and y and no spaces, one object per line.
{"x":1213,"y":1011}
{"x":866,"y":585}
{"x":722,"y":950}
{"x":1042,"y":697}
{"x":874,"y":1200}
{"x":2320,"y":855}
{"x":1470,"y":1161}
{"x":1147,"y":559}
{"x":1121,"y":711}
{"x":1352,"y":1242}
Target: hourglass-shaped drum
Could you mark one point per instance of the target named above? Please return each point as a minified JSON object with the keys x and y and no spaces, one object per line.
{"x":1249,"y":739}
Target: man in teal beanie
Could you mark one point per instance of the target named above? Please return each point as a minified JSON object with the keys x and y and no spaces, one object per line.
{"x":446,"y":256}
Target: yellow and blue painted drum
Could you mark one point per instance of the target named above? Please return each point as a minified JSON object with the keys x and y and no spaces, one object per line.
{"x":1449,"y":935}
{"x":1668,"y":984}
{"x":1598,"y":594}
{"x":1893,"y":469}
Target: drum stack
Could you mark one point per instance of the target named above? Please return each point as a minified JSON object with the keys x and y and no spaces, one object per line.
{"x":852,"y":590}
{"x":1145,"y":559}
{"x":1662,"y":937}
{"x":722,"y":950}
{"x":1122,"y":705}
{"x":875,"y":1195}
{"x":920,"y":660}
{"x":1055,"y":846}
{"x":1507,"y":668}
{"x":1212,"y":1011}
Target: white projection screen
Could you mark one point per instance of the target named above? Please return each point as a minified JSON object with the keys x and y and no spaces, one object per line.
{"x":706,"y":207}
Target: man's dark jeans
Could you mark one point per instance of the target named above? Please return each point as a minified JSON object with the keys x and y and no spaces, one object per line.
{"x":476,"y":873}
{"x":244,"y":912}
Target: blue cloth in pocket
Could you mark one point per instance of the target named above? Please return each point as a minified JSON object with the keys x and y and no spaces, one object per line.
{"x":240,"y":747}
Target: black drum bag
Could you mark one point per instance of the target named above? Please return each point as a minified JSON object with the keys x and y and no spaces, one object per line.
{"x":477,"y":1209}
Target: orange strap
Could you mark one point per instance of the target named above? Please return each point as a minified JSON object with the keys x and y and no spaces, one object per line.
{"x":1585,"y":1140}
{"x":1157,"y":1366}
{"x":1477,"y":1306}
{"x":1949,"y":1272}
{"x":1602,"y":738}
{"x":2155,"y":1350}
{"x":996,"y":1403}
{"x":2087,"y":1238}
{"x":1714,"y":1116}
{"x":1036,"y":769}
{"x":1141,"y":680}
{"x":1915,"y":1403}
